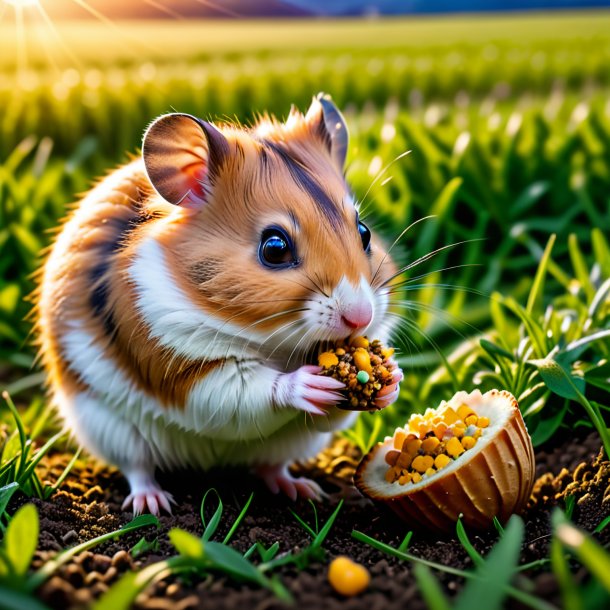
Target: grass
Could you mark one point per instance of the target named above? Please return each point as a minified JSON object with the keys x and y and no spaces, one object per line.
{"x":496,"y":128}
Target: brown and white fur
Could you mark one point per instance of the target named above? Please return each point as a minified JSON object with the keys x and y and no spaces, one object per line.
{"x":167,"y":339}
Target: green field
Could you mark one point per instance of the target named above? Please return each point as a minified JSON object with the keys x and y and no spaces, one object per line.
{"x":507,"y":120}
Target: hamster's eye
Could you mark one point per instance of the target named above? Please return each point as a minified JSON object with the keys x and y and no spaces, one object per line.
{"x":365,"y":235}
{"x":276,"y":249}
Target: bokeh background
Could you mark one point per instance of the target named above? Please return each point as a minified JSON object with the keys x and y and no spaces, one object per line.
{"x":505,"y":114}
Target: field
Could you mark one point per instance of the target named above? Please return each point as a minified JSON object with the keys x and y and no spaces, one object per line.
{"x":506,"y":121}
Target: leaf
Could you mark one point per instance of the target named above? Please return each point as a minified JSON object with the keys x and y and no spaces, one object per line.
{"x":602,"y":525}
{"x":569,"y":591}
{"x":186,"y":543}
{"x":144,"y":546}
{"x":534,"y":300}
{"x":590,"y":553}
{"x":17,"y":600}
{"x":232,"y":562}
{"x":21,"y":538}
{"x":557,"y":379}
{"x":495,"y":572}
{"x":6,"y":493}
{"x":474,"y":555}
{"x":493,"y":349}
{"x":238,"y":520}
{"x":546,"y":427}
{"x":430,"y":589}
{"x":212,"y":526}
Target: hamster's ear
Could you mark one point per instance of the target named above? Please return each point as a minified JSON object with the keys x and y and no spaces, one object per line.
{"x":325,"y":117}
{"x":181,"y":155}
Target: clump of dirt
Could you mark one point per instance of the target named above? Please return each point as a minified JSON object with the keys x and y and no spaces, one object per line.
{"x":89,"y":504}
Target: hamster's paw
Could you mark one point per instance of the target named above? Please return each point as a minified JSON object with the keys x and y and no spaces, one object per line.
{"x":308,"y":391}
{"x":146,"y":495}
{"x":277,"y":478}
{"x":389,"y":393}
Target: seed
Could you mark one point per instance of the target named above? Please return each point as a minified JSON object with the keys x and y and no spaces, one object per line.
{"x":483,"y":422}
{"x":399,"y":438}
{"x":328,"y":359}
{"x":362,"y":376}
{"x":429,"y":472}
{"x":471,"y":420}
{"x":440,"y":429}
{"x":450,"y":416}
{"x":348,"y":577}
{"x":416,"y":477}
{"x":454,"y":447}
{"x":441,"y":460}
{"x":404,"y":460}
{"x":422,"y":462}
{"x":412,"y":446}
{"x":360,"y":342}
{"x":430,"y":444}
{"x":404,"y":479}
{"x":362,"y":361}
{"x":391,"y":457}
{"x":468,"y":442}
{"x":340,"y":351}
{"x":464,"y":411}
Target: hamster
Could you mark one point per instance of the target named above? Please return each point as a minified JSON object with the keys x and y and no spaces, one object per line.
{"x":179,"y":302}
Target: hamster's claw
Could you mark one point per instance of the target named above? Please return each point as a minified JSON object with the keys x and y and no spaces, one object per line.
{"x":306,"y":390}
{"x":277,"y":478}
{"x":151,"y":500}
{"x":389,"y":393}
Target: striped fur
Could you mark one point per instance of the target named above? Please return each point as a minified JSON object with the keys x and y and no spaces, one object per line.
{"x":164,"y":337}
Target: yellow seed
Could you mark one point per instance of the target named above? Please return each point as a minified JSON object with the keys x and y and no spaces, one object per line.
{"x":468,"y":442}
{"x":415,"y":477}
{"x":430,"y":444}
{"x":360,"y":342}
{"x":340,"y":351}
{"x":399,"y":438}
{"x":483,"y":422}
{"x":422,"y":462}
{"x":450,"y":416}
{"x":423,"y":428}
{"x":477,"y":433}
{"x":389,"y":475}
{"x":429,"y":471}
{"x":464,"y":411}
{"x":412,"y":446}
{"x":387,"y":353}
{"x":471,"y":420}
{"x":440,"y":461}
{"x":363,"y":361}
{"x":440,"y":429}
{"x":458,"y":430}
{"x":348,"y":577}
{"x":414,"y":422}
{"x":454,"y":447}
{"x":383,"y":372}
{"x":391,"y":457}
{"x":404,"y":479}
{"x":404,"y":460}
{"x":328,"y":359}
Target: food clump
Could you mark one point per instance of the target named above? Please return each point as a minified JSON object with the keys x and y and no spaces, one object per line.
{"x":348,"y":577}
{"x":363,"y":366}
{"x":432,"y":441}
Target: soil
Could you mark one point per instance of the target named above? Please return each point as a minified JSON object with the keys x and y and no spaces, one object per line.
{"x":89,"y":504}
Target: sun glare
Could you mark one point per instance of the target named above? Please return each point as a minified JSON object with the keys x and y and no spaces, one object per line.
{"x":22,"y":2}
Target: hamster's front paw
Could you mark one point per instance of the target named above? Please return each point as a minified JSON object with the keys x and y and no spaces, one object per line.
{"x":308,"y":391}
{"x":388,"y":394}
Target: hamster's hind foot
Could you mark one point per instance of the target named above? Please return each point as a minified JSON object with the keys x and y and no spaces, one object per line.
{"x":146,"y":495}
{"x":277,"y":478}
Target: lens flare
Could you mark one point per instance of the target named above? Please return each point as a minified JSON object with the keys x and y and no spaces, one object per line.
{"x":22,"y":2}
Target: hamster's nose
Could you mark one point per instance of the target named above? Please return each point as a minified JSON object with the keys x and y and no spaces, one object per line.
{"x":358,"y":316}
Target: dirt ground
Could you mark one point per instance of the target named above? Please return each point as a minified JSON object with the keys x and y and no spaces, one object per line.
{"x":89,"y":505}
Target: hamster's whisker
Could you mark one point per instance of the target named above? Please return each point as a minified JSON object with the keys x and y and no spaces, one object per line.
{"x":421,"y":276}
{"x":440,"y":313}
{"x":275,"y":332}
{"x":265,"y":319}
{"x":404,"y":287}
{"x":381,"y":172}
{"x":289,"y":336}
{"x":402,"y":234}
{"x":295,"y":348}
{"x":411,"y":325}
{"x":426,"y":257}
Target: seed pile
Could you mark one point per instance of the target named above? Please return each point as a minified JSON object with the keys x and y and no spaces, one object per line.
{"x":431,"y":441}
{"x":362,"y":365}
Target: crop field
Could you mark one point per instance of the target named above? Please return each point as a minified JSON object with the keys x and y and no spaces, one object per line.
{"x":498,"y":130}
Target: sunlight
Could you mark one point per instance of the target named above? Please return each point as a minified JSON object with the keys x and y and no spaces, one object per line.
{"x":22,"y":2}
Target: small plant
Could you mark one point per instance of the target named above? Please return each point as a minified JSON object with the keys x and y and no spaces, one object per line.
{"x":200,"y":556}
{"x":19,"y":459}
{"x":17,"y":548}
